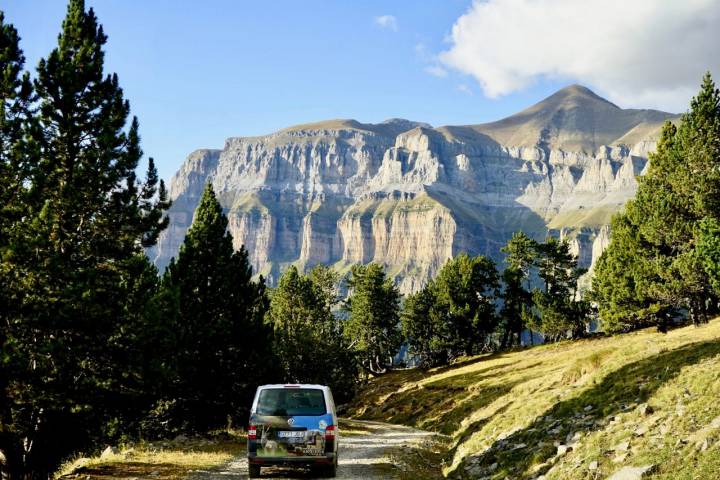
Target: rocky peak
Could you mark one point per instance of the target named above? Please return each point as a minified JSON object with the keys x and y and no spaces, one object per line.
{"x":572,"y":119}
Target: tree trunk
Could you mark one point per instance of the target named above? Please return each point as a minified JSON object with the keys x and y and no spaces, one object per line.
{"x":505,"y":340}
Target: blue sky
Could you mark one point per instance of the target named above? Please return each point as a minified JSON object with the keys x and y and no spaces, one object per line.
{"x":199,"y":72}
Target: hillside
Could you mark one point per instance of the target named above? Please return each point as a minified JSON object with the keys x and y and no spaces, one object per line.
{"x":410,"y":196}
{"x":573,"y":410}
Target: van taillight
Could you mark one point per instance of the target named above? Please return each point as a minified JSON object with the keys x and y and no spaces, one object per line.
{"x":330,"y":432}
{"x":252,"y":432}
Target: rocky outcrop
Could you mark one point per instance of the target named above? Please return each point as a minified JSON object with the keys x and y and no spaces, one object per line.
{"x":410,"y":196}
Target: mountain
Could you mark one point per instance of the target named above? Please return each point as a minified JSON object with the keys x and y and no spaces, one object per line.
{"x":410,"y":196}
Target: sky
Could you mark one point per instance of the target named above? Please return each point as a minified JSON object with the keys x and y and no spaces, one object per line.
{"x":196,"y":73}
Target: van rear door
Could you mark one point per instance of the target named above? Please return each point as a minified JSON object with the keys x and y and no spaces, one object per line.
{"x":290,"y":421}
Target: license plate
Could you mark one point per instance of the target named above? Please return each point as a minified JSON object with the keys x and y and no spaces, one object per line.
{"x":293,"y":434}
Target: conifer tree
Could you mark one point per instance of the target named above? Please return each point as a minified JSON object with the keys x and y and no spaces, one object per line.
{"x":308,"y":339}
{"x":516,"y":295}
{"x":373,"y":326}
{"x":16,"y":121}
{"x":221,"y":348}
{"x":558,"y":310}
{"x":15,"y":96}
{"x":664,"y":248}
{"x":466,"y":289}
{"x":426,"y":329}
{"x":76,"y":253}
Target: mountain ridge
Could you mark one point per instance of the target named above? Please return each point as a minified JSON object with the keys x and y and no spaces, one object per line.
{"x":410,"y":196}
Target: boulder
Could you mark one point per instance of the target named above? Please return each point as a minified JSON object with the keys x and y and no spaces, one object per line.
{"x":622,"y":447}
{"x":109,"y":452}
{"x":632,"y":473}
{"x":563,"y":449}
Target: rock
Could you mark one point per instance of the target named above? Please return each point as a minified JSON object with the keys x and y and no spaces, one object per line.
{"x":80,"y":465}
{"x":109,"y":452}
{"x":180,"y":439}
{"x":508,"y":433}
{"x":715,"y":422}
{"x":588,"y":408}
{"x":622,"y":447}
{"x":644,"y":409}
{"x":593,"y":465}
{"x":563,"y":449}
{"x":345,"y":192}
{"x":632,"y":473}
{"x":640,"y":431}
{"x":519,"y":446}
{"x":573,"y":438}
{"x":620,"y":458}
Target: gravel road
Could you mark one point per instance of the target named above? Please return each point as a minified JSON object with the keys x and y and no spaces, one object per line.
{"x":367,"y":451}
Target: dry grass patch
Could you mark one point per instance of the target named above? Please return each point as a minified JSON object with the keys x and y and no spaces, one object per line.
{"x":162,"y":460}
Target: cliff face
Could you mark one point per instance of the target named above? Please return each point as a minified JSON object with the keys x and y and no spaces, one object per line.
{"x":410,"y":196}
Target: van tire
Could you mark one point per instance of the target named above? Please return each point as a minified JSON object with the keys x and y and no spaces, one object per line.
{"x":254,"y":471}
{"x":330,"y":471}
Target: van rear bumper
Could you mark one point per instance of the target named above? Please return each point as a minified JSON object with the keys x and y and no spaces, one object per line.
{"x":327,"y":459}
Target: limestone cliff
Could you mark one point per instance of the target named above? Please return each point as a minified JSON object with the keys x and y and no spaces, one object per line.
{"x":410,"y":196}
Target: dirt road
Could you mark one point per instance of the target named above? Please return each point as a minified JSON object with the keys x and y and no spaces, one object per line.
{"x":368,"y":450}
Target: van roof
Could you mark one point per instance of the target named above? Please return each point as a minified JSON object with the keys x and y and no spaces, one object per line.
{"x":294,"y":385}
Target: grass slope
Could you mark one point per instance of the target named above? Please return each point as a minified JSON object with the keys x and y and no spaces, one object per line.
{"x":513,"y":414}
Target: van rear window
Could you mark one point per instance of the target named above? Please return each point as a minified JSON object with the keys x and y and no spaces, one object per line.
{"x":291,"y":402}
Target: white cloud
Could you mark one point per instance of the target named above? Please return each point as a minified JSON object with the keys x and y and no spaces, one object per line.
{"x":648,"y":53}
{"x":387,"y":21}
{"x":436,"y":71}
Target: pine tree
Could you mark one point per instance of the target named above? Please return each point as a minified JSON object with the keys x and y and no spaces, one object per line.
{"x":516,"y":301}
{"x":425,"y":328}
{"x":16,"y":120}
{"x":516,"y":296}
{"x":308,"y":339}
{"x":669,"y":227}
{"x":466,"y":289}
{"x":558,"y":310}
{"x":373,"y":326}
{"x":75,"y":253}
{"x":222,"y":348}
{"x":15,"y":113}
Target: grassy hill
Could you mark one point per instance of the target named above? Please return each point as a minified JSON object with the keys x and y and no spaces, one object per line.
{"x":580,"y":410}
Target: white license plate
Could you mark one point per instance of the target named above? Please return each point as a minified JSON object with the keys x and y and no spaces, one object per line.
{"x":293,"y":434}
